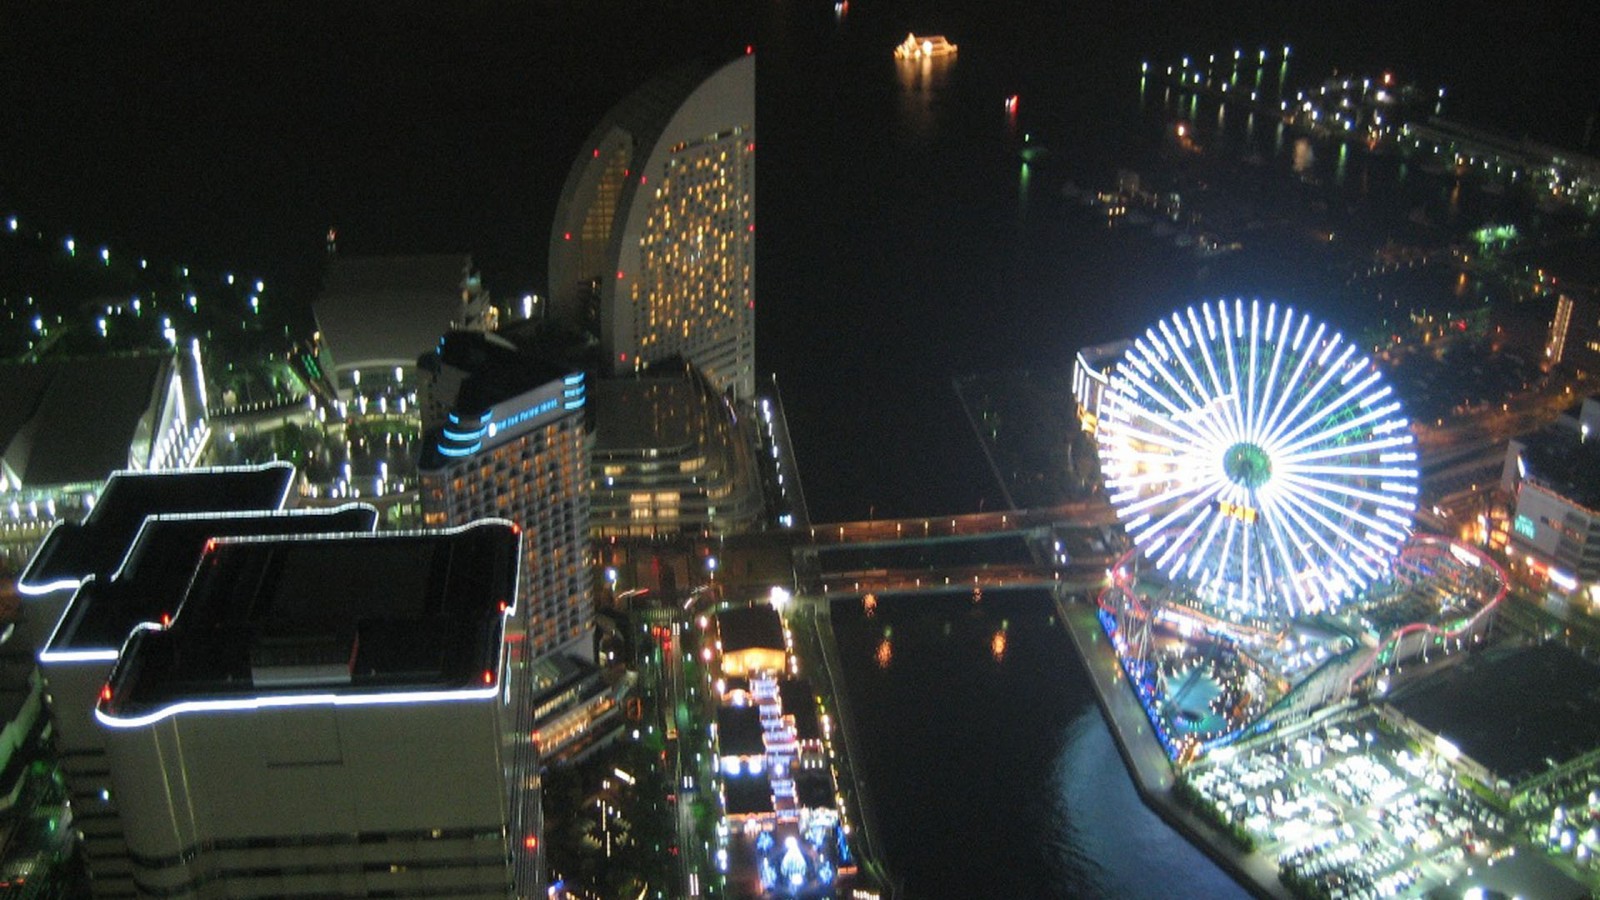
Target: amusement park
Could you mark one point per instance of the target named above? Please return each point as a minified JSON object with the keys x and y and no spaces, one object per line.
{"x":1327,"y":681}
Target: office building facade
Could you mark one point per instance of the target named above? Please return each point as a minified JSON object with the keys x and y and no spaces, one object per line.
{"x":1554,"y":478}
{"x":671,"y":457}
{"x":147,"y":587}
{"x":1574,"y":340}
{"x":514,"y":445}
{"x":328,"y":717}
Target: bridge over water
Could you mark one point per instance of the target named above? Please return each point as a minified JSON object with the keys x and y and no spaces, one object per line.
{"x":1069,"y":545}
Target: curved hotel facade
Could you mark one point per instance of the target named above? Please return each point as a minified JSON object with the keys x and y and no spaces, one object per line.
{"x":653,"y":246}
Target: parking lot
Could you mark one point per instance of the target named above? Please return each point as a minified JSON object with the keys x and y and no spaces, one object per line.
{"x":1350,"y":810}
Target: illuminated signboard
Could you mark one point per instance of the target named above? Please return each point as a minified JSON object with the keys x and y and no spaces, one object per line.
{"x":1524,"y":526}
{"x":526,"y":415}
{"x":1245,"y":514}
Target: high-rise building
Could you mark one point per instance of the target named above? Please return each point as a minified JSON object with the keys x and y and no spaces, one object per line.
{"x":1554,"y":476}
{"x":328,"y":716}
{"x":514,"y":445}
{"x":146,"y":586}
{"x":672,"y":457}
{"x":653,"y":246}
{"x":1575,"y":334}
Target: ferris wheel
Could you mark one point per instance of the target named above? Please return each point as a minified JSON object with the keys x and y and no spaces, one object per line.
{"x":1258,"y":458}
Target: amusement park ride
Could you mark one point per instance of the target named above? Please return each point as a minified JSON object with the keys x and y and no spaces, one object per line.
{"x":1267,"y":478}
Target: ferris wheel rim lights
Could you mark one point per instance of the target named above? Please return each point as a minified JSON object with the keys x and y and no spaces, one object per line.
{"x":1254,"y":454}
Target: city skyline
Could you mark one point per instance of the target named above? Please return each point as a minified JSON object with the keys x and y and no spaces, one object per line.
{"x":303,"y":142}
{"x":1055,"y":186}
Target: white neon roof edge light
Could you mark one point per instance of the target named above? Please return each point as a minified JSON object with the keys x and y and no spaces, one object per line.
{"x":39,"y":590}
{"x":1253,"y":452}
{"x":103,"y":654}
{"x":371,"y":698}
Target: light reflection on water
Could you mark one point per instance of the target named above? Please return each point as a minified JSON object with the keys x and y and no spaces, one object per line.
{"x":993,"y":774}
{"x":1115,"y":845}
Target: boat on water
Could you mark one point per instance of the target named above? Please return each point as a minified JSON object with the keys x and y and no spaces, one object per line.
{"x":926,"y":47}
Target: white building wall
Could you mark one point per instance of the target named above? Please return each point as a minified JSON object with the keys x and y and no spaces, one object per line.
{"x":332,"y":800}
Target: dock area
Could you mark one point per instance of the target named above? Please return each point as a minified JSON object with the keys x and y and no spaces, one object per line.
{"x":1147,"y":762}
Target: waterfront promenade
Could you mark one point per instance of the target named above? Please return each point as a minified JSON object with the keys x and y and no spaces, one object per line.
{"x":1147,"y":762}
{"x":811,"y":621}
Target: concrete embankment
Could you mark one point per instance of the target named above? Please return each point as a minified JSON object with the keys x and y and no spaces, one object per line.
{"x":1147,"y":762}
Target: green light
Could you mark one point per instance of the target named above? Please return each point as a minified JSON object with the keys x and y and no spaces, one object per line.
{"x":1247,"y":465}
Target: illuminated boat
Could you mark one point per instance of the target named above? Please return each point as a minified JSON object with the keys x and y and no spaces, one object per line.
{"x":926,"y":47}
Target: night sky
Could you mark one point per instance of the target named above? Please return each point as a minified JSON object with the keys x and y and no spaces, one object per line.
{"x":889,"y":260}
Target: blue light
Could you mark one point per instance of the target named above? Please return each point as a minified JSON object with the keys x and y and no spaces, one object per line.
{"x":458,"y":452}
{"x":531,"y":412}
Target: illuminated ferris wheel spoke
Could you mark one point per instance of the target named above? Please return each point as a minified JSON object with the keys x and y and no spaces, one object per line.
{"x":1255,"y":352}
{"x":1336,"y":432}
{"x":1257,"y":456}
{"x":1168,"y":521}
{"x":1383,"y":443}
{"x":1371,"y":521}
{"x":1283,"y":545}
{"x":1228,"y":347}
{"x":1218,"y":389}
{"x":1349,"y":401}
{"x":1146,"y":389}
{"x":1301,"y":415}
{"x":1272,"y":373}
{"x":1299,"y":508}
{"x":1302,"y":560}
{"x":1344,"y":489}
{"x":1202,"y":554}
{"x":1183,"y":540}
{"x":1194,"y":408}
{"x":1303,"y":360}
{"x":1181,"y":443}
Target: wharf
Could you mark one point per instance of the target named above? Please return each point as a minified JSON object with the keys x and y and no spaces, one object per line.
{"x":1147,"y":762}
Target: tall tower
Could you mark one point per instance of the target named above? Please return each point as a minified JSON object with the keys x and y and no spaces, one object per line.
{"x":654,"y":240}
{"x":513,"y":445}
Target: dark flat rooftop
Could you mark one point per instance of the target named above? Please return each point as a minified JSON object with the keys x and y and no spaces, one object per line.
{"x":389,"y":307}
{"x":637,"y":414}
{"x":940,"y":552}
{"x":73,"y":551}
{"x":152,"y":579}
{"x":1514,"y":710}
{"x":72,"y":421}
{"x":497,"y":368}
{"x":743,"y":628}
{"x":800,"y":701}
{"x":392,"y":612}
{"x":747,"y":794}
{"x":739,"y":731}
{"x":1556,"y":459}
{"x":814,"y":789}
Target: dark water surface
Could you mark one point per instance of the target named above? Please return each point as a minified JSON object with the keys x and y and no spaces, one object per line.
{"x":997,"y":777}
